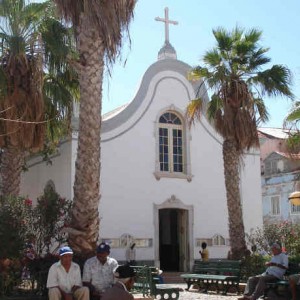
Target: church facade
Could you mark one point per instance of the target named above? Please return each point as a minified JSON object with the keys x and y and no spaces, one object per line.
{"x":162,"y":183}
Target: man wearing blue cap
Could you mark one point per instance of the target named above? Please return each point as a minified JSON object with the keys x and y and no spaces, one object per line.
{"x":64,"y":278}
{"x":98,"y":271}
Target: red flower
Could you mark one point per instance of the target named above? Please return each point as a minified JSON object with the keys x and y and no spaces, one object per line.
{"x":28,"y":202}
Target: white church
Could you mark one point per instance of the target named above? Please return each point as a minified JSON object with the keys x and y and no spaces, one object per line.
{"x":162,"y":184}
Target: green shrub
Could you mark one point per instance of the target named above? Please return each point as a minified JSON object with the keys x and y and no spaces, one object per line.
{"x":286,"y":233}
{"x":253,"y":264}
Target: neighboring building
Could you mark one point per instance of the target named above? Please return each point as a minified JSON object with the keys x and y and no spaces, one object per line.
{"x":162,"y":184}
{"x":280,"y":172}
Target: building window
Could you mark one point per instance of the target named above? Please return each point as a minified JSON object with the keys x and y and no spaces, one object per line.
{"x":218,"y":240}
{"x":295,"y":209}
{"x":170,"y":143}
{"x":172,"y":146}
{"x":275,"y":205}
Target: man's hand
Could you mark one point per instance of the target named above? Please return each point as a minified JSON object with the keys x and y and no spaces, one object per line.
{"x":74,"y":288}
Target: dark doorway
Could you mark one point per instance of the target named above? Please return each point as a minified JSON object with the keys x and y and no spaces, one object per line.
{"x":172,"y":239}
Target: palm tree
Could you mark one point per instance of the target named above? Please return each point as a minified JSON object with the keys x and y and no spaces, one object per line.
{"x":291,"y":123}
{"x":99,"y":26}
{"x":37,"y":86}
{"x":233,"y":70}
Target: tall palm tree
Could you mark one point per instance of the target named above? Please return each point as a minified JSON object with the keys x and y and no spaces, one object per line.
{"x":233,"y":70}
{"x":99,"y":26}
{"x":37,"y":85}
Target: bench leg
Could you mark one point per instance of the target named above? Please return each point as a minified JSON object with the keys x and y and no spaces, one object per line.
{"x":189,"y":283}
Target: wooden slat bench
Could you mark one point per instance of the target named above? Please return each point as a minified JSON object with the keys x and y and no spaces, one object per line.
{"x":222,"y":274}
{"x":147,"y":284}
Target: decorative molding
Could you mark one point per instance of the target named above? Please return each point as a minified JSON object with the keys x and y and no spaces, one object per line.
{"x":158,"y":175}
{"x":125,"y":240}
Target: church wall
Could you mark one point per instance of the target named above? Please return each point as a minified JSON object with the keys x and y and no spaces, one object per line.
{"x":138,"y":189}
{"x":39,"y":173}
{"x":251,"y":192}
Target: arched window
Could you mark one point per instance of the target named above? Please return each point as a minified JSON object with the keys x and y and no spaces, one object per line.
{"x":171,"y":145}
{"x":218,"y":240}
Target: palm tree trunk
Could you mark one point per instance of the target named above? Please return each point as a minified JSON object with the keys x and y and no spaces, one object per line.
{"x":84,"y":231}
{"x":232,"y":183}
{"x":12,"y":161}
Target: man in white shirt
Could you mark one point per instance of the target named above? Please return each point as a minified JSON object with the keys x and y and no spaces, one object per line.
{"x":64,"y":278}
{"x":277,"y":266}
{"x":98,"y":271}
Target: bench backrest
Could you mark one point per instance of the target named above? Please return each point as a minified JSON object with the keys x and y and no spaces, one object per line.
{"x":144,"y":279}
{"x":294,"y":268}
{"x":218,"y":267}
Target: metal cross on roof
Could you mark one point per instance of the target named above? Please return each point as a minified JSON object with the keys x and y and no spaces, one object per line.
{"x":167,"y":21}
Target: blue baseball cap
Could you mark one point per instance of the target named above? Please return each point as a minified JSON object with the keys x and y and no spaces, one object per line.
{"x":65,"y":250}
{"x":103,"y":247}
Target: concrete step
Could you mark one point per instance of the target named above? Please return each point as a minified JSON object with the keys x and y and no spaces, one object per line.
{"x":172,"y":277}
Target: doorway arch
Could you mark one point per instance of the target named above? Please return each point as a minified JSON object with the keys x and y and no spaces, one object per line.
{"x":174,"y":213}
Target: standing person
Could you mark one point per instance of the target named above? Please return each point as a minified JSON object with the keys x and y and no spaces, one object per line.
{"x":64,"y":278}
{"x":130,"y":255}
{"x":204,"y":253}
{"x":98,"y":271}
{"x":125,"y":280}
{"x":276,"y":268}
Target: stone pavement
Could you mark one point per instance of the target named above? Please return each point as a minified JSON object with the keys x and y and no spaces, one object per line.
{"x":194,"y":294}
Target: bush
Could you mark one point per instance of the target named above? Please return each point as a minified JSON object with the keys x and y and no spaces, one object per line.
{"x":49,"y":217}
{"x":15,"y":215}
{"x":30,"y":235}
{"x":253,"y":264}
{"x":285,"y":233}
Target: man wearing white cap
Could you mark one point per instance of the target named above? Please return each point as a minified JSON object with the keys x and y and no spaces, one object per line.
{"x":64,"y":278}
{"x":276,"y":268}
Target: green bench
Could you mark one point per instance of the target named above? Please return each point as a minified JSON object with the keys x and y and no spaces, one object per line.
{"x":281,"y":287}
{"x":146,"y":283}
{"x":221,"y":274}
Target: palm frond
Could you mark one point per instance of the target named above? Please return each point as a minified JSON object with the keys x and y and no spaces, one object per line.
{"x":233,"y":71}
{"x":224,"y":39}
{"x":293,"y":115}
{"x":110,"y":20}
{"x":261,"y":111}
{"x":275,"y":81}
{"x":194,"y":111}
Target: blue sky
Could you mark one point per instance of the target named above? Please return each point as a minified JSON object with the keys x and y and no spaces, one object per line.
{"x":279,"y":20}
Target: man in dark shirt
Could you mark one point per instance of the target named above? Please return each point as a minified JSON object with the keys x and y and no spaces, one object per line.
{"x":120,"y":290}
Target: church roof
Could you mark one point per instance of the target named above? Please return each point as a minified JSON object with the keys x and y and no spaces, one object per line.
{"x":114,"y":112}
{"x":269,"y":132}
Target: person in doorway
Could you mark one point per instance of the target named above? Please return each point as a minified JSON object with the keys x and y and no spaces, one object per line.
{"x":276,"y":268}
{"x":204,"y":253}
{"x":64,"y":278}
{"x":130,"y":255}
{"x":98,"y":271}
{"x":120,"y":290}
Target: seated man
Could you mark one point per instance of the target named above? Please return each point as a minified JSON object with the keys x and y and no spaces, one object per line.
{"x":120,"y":290}
{"x":256,"y":285}
{"x":294,"y":280}
{"x":98,"y":271}
{"x":64,"y":278}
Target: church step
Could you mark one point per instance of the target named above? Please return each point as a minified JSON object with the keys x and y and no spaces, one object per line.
{"x":172,"y":277}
